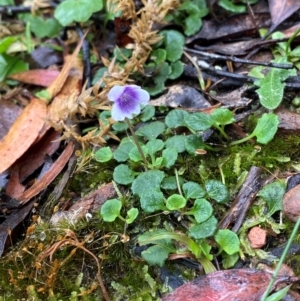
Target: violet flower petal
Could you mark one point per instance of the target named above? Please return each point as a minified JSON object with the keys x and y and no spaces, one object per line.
{"x":115,"y":93}
{"x":127,"y":100}
{"x":119,"y":114}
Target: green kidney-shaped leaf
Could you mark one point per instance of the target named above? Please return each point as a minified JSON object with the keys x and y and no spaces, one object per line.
{"x":147,"y":113}
{"x":199,"y":121}
{"x":76,"y":10}
{"x":170,"y":183}
{"x":228,"y":241}
{"x":123,"y":175}
{"x":152,"y":200}
{"x":176,"y":118}
{"x":205,"y":229}
{"x":192,"y":190}
{"x":222,"y":116}
{"x":151,"y":130}
{"x":175,"y":202}
{"x":266,"y":128}
{"x":104,"y":154}
{"x":194,"y":142}
{"x":163,"y":72}
{"x":273,"y":194}
{"x":176,"y":70}
{"x":10,"y":65}
{"x":151,"y":179}
{"x":6,"y":42}
{"x":202,"y":210}
{"x":169,"y":157}
{"x":158,"y":56}
{"x":135,"y":155}
{"x":174,"y":42}
{"x":217,"y":191}
{"x":154,"y":146}
{"x":157,"y":89}
{"x":122,"y":54}
{"x":42,"y":28}
{"x":156,"y":255}
{"x":176,"y":142}
{"x":121,"y":154}
{"x":132,"y":215}
{"x":110,"y":210}
{"x":230,"y":6}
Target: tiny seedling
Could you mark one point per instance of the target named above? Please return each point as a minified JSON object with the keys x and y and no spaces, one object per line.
{"x":111,"y":209}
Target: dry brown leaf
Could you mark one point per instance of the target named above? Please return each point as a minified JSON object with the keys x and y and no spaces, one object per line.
{"x":23,"y":133}
{"x":58,"y":83}
{"x":38,"y":77}
{"x":235,"y":284}
{"x":31,"y":161}
{"x":281,"y":10}
{"x":49,"y":176}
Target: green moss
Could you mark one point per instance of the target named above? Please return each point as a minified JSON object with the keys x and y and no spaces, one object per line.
{"x":130,"y":278}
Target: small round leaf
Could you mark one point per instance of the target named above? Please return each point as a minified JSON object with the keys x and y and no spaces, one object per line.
{"x":176,"y":118}
{"x":205,"y":229}
{"x":110,"y":210}
{"x":192,"y":190}
{"x":202,"y":210}
{"x":228,"y":241}
{"x":104,"y":154}
{"x":175,"y":202}
{"x":132,"y":215}
{"x":152,"y":200}
{"x":217,"y":191}
{"x":123,"y":175}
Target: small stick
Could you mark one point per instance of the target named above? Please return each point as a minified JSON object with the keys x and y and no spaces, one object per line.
{"x":237,"y":60}
{"x":242,"y":202}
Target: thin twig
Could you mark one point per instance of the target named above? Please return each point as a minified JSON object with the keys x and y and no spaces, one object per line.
{"x":237,"y":60}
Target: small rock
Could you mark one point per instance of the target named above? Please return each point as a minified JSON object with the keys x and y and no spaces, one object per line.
{"x":182,"y":96}
{"x":291,"y":204}
{"x":257,"y":237}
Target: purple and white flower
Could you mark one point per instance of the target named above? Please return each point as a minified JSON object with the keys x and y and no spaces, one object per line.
{"x":127,"y":100}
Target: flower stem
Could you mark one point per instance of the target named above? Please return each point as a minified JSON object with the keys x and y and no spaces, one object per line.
{"x":279,"y":265}
{"x":136,"y":142}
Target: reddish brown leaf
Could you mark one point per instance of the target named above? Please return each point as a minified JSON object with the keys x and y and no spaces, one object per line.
{"x":23,"y":133}
{"x":49,"y":176}
{"x":281,"y":10}
{"x":236,"y":284}
{"x":30,"y":161}
{"x":38,"y":77}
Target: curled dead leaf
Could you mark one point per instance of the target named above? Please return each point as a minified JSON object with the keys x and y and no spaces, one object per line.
{"x":23,"y":133}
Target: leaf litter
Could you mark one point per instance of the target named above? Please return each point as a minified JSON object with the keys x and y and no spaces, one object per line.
{"x":28,"y":143}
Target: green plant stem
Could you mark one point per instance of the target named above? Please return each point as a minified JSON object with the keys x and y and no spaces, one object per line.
{"x":177,"y":181}
{"x":275,"y":274}
{"x":191,"y":244}
{"x":221,"y":130}
{"x":137,"y":142}
{"x":241,"y":140}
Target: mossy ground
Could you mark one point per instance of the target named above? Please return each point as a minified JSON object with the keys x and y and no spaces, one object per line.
{"x":71,"y":275}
